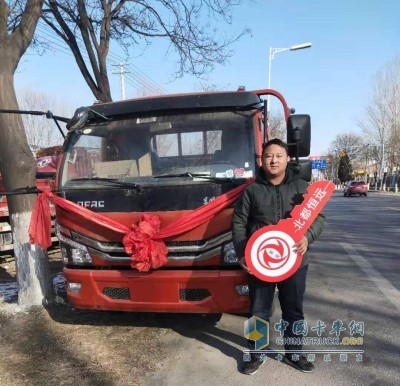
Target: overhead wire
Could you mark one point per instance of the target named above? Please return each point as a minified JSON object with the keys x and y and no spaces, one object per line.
{"x":133,"y":76}
{"x":139,"y":73}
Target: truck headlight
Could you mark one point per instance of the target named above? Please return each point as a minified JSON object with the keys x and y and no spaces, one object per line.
{"x":74,"y":287}
{"x":73,"y":252}
{"x":229,"y":254}
{"x":242,"y":290}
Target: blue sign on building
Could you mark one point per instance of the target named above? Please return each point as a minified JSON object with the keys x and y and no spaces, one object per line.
{"x":318,"y":164}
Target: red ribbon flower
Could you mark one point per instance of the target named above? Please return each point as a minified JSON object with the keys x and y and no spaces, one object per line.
{"x":146,"y":253}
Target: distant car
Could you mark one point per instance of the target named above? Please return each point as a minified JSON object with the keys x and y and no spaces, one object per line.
{"x":355,"y":187}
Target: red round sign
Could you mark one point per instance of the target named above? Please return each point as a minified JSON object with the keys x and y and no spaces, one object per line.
{"x":269,"y":255}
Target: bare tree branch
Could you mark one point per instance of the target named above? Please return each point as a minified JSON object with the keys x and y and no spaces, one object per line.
{"x":196,"y":42}
{"x":381,"y":121}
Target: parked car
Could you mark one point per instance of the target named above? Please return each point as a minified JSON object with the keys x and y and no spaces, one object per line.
{"x":355,"y":187}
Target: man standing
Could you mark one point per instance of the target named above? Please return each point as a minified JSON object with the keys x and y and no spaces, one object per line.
{"x":276,"y":191}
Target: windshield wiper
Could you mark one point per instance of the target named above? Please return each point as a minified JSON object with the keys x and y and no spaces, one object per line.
{"x":112,"y":181}
{"x":186,"y":174}
{"x":201,"y":175}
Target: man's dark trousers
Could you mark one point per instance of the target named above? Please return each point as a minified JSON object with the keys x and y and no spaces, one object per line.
{"x":291,"y":293}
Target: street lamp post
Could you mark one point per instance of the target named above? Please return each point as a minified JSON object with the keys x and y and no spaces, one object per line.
{"x":272,"y":52}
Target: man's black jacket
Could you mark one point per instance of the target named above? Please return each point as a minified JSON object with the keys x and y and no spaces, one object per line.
{"x":265,"y":204}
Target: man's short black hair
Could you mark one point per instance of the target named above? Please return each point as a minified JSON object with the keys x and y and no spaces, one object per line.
{"x":275,"y":141}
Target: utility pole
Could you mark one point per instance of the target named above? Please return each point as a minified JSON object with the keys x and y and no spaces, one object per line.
{"x":121,"y":73}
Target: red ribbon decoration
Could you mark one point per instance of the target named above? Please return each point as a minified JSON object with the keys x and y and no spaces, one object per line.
{"x":145,"y":252}
{"x":144,"y":242}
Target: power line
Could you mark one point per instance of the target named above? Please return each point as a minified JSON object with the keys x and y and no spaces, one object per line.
{"x":138,"y":77}
{"x":54,"y":43}
{"x":140,"y":73}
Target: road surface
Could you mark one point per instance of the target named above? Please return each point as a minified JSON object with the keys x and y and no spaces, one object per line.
{"x":353,"y":277}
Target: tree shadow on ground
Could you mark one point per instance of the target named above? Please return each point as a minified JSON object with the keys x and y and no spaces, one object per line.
{"x":201,"y":327}
{"x":204,"y":328}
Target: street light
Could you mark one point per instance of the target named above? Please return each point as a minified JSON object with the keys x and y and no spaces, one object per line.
{"x":272,"y":52}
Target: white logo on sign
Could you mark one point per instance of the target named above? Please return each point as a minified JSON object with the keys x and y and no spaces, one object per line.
{"x":272,"y":255}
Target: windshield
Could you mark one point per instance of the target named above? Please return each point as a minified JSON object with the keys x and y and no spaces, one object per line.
{"x":159,"y":149}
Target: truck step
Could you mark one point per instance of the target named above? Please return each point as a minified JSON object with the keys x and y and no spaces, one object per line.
{"x":6,"y":247}
{"x":5,"y":227}
{"x":6,"y":239}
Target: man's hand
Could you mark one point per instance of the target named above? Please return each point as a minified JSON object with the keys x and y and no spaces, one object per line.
{"x":301,"y":246}
{"x":244,"y":266}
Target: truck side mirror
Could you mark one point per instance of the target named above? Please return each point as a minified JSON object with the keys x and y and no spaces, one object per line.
{"x":299,"y":135}
{"x":304,"y":167}
{"x":79,"y":119}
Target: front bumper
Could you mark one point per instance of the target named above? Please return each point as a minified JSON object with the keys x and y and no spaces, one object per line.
{"x":361,"y":191}
{"x":202,"y":291}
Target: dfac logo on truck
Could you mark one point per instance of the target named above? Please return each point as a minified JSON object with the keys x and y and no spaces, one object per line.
{"x":91,"y":204}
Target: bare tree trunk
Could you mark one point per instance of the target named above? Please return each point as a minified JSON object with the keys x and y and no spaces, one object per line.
{"x":18,"y":169}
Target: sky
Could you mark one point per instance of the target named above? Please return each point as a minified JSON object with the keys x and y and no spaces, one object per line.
{"x":352,"y":40}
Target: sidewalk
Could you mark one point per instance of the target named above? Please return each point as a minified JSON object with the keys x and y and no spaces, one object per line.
{"x":390,"y":192}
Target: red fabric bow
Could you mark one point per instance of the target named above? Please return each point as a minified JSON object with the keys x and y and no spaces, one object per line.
{"x":145,"y":252}
{"x":144,"y":242}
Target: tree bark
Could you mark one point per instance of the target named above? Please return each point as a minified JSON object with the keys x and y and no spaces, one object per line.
{"x":17,"y":163}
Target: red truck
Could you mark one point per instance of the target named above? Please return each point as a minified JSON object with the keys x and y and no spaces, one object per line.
{"x":46,"y":161}
{"x":166,"y":156}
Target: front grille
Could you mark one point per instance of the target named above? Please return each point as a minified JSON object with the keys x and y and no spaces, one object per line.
{"x":193,"y":294}
{"x":116,"y":247}
{"x":185,"y":243}
{"x":193,"y":255}
{"x":183,"y":251}
{"x":117,"y":292}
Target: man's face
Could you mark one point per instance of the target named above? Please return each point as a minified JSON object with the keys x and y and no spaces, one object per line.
{"x":274,"y":161}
